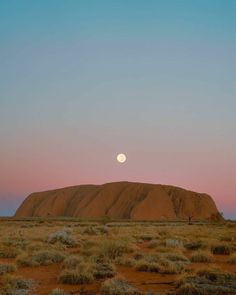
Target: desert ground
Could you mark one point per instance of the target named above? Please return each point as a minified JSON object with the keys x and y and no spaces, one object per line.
{"x":107,"y":257}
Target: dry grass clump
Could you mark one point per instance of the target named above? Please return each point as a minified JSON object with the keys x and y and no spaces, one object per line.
{"x":220,"y":249}
{"x":112,"y":249}
{"x":83,"y":274}
{"x":177,"y":257}
{"x":9,"y":252}
{"x":160,"y":264}
{"x":195,"y":245}
{"x":7,"y":267}
{"x":118,"y":286}
{"x":202,"y":256}
{"x":153,"y":243}
{"x":125,"y":261}
{"x":14,"y":285}
{"x":58,"y":291}
{"x":232,"y":259}
{"x":208,"y":282}
{"x":174,"y":243}
{"x":90,"y":230}
{"x":72,"y":262}
{"x":63,"y":237}
{"x":40,"y":258}
{"x":227,"y":238}
{"x":145,"y":237}
{"x":104,"y":270}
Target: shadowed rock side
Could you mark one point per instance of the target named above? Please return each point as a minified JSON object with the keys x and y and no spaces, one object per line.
{"x":122,"y":200}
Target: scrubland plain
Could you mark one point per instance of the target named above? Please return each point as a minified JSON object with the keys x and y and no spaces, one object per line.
{"x":71,"y":256}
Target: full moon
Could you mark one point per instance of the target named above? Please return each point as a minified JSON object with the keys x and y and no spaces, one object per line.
{"x":121,"y":158}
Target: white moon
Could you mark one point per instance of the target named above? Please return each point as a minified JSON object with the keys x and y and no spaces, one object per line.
{"x":121,"y":158}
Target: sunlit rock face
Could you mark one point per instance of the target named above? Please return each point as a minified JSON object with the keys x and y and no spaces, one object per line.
{"x":121,"y":200}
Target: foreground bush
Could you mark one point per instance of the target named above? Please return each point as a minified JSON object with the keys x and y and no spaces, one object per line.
{"x":62,"y":237}
{"x":6,"y":268}
{"x":222,"y":249}
{"x":208,"y":282}
{"x":114,"y":248}
{"x":40,"y":258}
{"x":118,"y":286}
{"x":195,"y":245}
{"x":75,"y":277}
{"x":58,"y":291}
{"x":202,"y":257}
{"x":232,"y":259}
{"x":16,"y":285}
{"x":104,"y":270}
{"x":9,"y":252}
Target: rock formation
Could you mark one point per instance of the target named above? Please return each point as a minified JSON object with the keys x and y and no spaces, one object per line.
{"x":121,"y":200}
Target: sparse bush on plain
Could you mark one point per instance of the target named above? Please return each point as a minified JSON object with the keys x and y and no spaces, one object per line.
{"x":74,"y":277}
{"x":173,"y":243}
{"x":114,"y":248}
{"x":207,"y":282}
{"x":232,"y":259}
{"x":40,"y":258}
{"x":72,"y":262}
{"x":118,"y":286}
{"x":7,"y":267}
{"x":63,"y":237}
{"x":202,"y":257}
{"x":14,"y":285}
{"x":9,"y":252}
{"x":195,"y":245}
{"x":221,"y":249}
{"x":177,"y":257}
{"x":104,"y":270}
{"x":58,"y":291}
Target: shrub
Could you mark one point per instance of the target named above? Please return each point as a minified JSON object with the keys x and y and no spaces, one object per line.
{"x":125,"y":261}
{"x":201,"y":256}
{"x":153,"y":244}
{"x":16,"y":285}
{"x":117,"y":286}
{"x":114,"y":248}
{"x":138,"y":255}
{"x":174,"y":243}
{"x":170,"y":267}
{"x":194,"y":245}
{"x":9,"y":252}
{"x":104,"y":270}
{"x":208,"y":282}
{"x":177,"y":257}
{"x":72,"y":262}
{"x":40,"y":258}
{"x":90,"y":230}
{"x":232,"y":259}
{"x":48,"y":257}
{"x":222,"y":249}
{"x":58,"y":291}
{"x":75,"y":277}
{"x":144,"y":265}
{"x":62,"y":237}
{"x":146,"y":237}
{"x":6,"y":267}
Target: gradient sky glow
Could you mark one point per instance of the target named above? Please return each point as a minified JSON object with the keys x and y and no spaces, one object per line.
{"x":83,"y":80}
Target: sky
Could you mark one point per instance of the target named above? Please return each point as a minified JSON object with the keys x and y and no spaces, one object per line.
{"x":82,"y":80}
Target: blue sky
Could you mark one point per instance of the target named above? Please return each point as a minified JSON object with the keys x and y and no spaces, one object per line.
{"x":82,"y":80}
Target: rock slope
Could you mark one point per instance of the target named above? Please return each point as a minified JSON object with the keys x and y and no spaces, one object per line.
{"x":121,"y":200}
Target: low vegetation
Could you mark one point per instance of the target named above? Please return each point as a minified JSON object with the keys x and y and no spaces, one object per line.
{"x":202,"y":257}
{"x":88,"y":258}
{"x":118,"y":286}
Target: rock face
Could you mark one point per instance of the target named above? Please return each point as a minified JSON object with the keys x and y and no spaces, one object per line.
{"x":121,"y":200}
